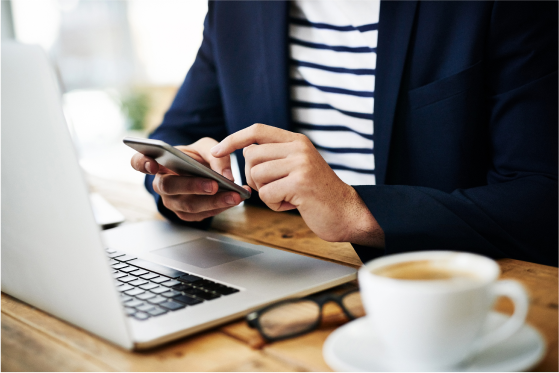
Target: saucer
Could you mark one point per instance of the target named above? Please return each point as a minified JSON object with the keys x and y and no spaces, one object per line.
{"x":354,"y":347}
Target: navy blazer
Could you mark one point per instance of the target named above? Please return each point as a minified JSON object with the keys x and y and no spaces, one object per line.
{"x":465,"y":117}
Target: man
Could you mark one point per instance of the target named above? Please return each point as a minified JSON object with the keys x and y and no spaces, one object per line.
{"x":465,"y":125}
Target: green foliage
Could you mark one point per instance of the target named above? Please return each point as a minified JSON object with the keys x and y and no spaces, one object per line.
{"x":136,"y":106}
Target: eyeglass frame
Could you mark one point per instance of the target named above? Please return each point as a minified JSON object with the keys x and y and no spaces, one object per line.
{"x":253,"y":318}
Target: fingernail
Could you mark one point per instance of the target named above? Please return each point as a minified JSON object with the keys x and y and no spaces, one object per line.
{"x":228,"y":174}
{"x":207,"y":186}
{"x":215,"y":150}
{"x":229,"y":200}
{"x":148,"y":167}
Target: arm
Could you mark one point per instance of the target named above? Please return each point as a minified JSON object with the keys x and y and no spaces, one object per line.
{"x":196,"y":113}
{"x":515,"y":214}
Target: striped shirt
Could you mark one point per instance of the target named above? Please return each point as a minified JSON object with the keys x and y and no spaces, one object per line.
{"x":332,"y":78}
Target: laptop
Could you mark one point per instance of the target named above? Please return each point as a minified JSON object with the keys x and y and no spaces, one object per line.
{"x":138,"y":285}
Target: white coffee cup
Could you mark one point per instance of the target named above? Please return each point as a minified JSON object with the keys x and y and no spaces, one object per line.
{"x":436,"y":324}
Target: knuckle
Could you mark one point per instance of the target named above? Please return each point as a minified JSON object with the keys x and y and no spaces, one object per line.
{"x":297,"y":179}
{"x":155,"y":184}
{"x":165,"y":184}
{"x":248,"y":152}
{"x":187,"y":205}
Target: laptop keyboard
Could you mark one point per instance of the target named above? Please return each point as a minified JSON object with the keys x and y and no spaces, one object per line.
{"x":148,"y":289}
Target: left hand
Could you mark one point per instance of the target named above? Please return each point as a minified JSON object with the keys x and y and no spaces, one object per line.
{"x":288,"y":172}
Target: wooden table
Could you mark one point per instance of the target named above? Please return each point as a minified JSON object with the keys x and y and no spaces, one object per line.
{"x":35,"y":341}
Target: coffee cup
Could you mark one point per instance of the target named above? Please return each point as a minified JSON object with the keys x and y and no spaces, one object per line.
{"x":428,"y":308}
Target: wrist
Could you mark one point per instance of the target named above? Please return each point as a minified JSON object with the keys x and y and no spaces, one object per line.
{"x":360,"y":226}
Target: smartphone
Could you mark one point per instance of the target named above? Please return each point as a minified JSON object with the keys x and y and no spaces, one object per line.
{"x":182,"y":164}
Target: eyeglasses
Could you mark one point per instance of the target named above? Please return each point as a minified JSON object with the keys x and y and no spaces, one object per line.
{"x":294,"y":317}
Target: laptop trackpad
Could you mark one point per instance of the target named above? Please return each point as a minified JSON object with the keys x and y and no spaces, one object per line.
{"x":206,"y":252}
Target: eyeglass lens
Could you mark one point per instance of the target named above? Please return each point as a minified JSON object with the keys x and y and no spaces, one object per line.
{"x":353,"y":305}
{"x":289,"y":318}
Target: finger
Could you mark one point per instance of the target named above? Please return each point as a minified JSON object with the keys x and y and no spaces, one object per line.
{"x":256,"y":134}
{"x":268,"y":172}
{"x":256,"y":154}
{"x":195,"y":204}
{"x":148,"y":165}
{"x":277,"y":195}
{"x":221,"y":165}
{"x":144,"y":164}
{"x":168,"y":185}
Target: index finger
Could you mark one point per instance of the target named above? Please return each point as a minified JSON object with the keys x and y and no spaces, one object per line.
{"x":256,"y":134}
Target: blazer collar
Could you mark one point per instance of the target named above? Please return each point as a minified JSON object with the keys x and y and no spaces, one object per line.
{"x":273,"y":26}
{"x":395,"y":27}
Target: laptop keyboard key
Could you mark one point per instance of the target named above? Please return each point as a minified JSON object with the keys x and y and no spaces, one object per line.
{"x":158,"y":299}
{"x":127,"y":278}
{"x":119,"y":274}
{"x":134,"y":292}
{"x":138,"y":282}
{"x":149,"y":286}
{"x":227,"y":291}
{"x":149,"y":276}
{"x":129,"y":311}
{"x":125,"y":287}
{"x":170,"y":305}
{"x":141,"y":316}
{"x":188,"y":300}
{"x":182,"y":287}
{"x":190,"y":278}
{"x":159,"y":279}
{"x":145,"y":296}
{"x":170,"y":283}
{"x":159,"y":290}
{"x":171,"y":294}
{"x":199,"y":293}
{"x":146,"y":307}
{"x":125,"y":258}
{"x":115,"y":255}
{"x":112,"y":261}
{"x":125,"y":298}
{"x":139,"y":272}
{"x":134,"y":303}
{"x":119,"y":265}
{"x":157,"y":311}
{"x":128,"y":269}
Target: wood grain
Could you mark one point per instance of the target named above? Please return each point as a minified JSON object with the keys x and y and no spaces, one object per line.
{"x":24,"y":349}
{"x":283,"y":229}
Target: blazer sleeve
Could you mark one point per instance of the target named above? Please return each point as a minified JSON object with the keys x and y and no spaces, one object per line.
{"x":515,"y":214}
{"x":196,"y":111}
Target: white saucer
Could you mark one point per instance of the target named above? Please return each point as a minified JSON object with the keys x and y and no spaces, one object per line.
{"x":354,"y":347}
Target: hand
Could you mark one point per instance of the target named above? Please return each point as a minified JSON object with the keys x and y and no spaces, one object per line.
{"x":192,"y":198}
{"x":288,"y":172}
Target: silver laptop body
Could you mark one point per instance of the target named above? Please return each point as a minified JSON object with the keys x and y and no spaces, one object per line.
{"x":54,"y":256}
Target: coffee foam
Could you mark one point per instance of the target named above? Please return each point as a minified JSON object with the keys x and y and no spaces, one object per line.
{"x":426,"y":270}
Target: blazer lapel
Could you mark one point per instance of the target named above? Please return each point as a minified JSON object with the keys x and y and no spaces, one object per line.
{"x":274,"y":56}
{"x":395,"y":26}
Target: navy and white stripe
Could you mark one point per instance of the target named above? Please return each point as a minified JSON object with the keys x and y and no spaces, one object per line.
{"x":332,"y":69}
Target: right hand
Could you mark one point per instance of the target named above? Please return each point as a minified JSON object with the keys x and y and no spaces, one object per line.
{"x":192,"y":198}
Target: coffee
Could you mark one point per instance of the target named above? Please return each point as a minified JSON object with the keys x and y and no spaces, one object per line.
{"x":424,"y":270}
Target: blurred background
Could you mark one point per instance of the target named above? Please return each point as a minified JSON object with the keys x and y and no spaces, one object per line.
{"x":119,"y":64}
